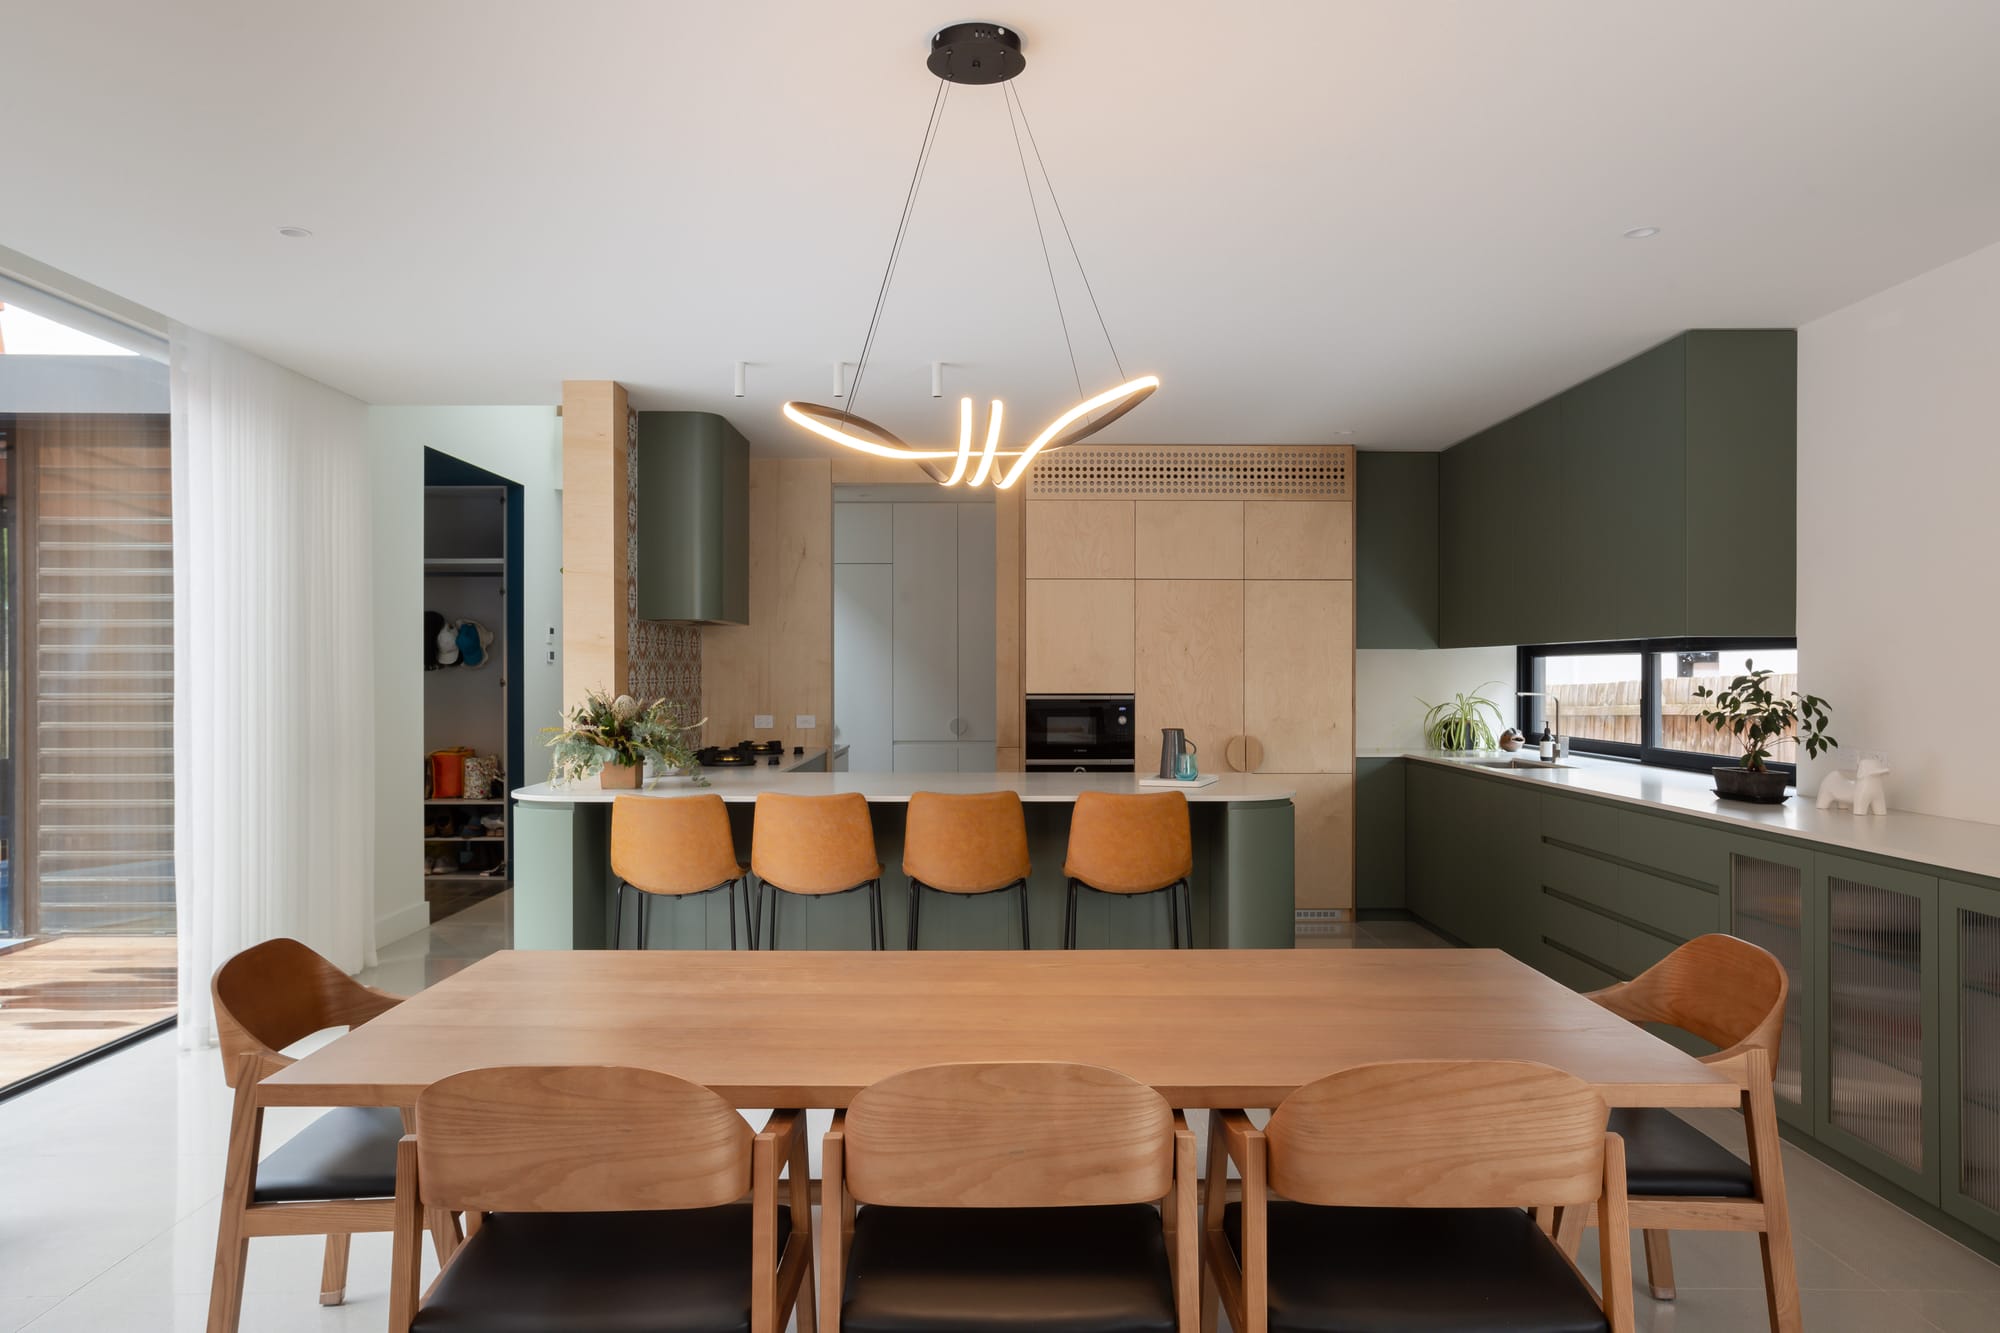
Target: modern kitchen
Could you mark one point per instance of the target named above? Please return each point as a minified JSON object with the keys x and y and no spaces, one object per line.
{"x":1112,"y":669}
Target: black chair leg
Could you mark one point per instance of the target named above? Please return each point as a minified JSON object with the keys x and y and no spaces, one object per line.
{"x":776,"y":893}
{"x":1173,"y":917}
{"x":1024,"y":915}
{"x":618,"y":917}
{"x":729,"y":900}
{"x":916,"y":906}
{"x":1187,"y":910}
{"x":1069,"y":919}
{"x":881,"y":922}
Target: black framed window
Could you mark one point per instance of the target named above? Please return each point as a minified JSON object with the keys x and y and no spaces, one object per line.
{"x":1634,"y":699}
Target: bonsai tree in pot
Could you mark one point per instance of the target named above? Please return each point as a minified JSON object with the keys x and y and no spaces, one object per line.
{"x":1760,"y":718}
{"x":612,"y":737}
{"x":1459,"y":723}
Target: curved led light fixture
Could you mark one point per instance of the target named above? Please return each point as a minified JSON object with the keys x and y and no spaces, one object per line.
{"x":973,"y":54}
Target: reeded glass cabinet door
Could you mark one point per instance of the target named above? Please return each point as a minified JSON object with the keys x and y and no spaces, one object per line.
{"x":1769,"y":905}
{"x":1969,"y":1004}
{"x":1878,"y":1019}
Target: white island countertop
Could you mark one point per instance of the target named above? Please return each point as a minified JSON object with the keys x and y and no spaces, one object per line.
{"x":741,"y":785}
{"x":1960,"y":845}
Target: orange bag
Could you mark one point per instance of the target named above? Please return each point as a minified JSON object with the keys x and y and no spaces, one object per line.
{"x":448,"y":772}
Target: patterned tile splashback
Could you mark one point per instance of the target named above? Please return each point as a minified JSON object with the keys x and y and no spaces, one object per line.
{"x":665,"y":656}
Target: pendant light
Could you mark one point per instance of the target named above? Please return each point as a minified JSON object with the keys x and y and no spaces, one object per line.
{"x":979,"y":54}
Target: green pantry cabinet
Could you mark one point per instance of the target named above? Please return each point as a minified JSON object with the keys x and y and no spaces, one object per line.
{"x":1656,"y":500}
{"x":1890,"y":1066}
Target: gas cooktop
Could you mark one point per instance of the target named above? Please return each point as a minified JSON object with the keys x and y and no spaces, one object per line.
{"x":743,"y":754}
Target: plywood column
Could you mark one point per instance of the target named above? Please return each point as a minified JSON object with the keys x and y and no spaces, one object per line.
{"x":596,"y":525}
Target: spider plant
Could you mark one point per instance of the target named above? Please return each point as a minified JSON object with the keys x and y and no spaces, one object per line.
{"x":1459,"y":723}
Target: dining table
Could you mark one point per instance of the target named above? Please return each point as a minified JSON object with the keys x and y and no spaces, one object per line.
{"x":1205,"y":1028}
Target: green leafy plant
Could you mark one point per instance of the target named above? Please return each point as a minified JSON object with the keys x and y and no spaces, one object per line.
{"x":602,"y":730}
{"x":1759,"y":717}
{"x":1460,"y":722}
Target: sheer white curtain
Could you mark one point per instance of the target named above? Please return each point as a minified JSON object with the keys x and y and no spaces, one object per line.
{"x":274,"y":750}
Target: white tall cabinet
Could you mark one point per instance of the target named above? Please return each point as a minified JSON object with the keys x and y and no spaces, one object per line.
{"x":913,"y":631}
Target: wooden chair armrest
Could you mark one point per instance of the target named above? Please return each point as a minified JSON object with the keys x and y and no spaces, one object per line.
{"x":1733,"y":1063}
{"x":783,"y":1129}
{"x":1238,"y":1135}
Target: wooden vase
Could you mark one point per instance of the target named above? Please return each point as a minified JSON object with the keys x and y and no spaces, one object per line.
{"x":620,"y":777}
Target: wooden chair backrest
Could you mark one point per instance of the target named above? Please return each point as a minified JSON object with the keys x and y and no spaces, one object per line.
{"x":1724,"y":990}
{"x":274,"y":993}
{"x":577,"y":1139}
{"x":1021,"y":1135}
{"x":1440,"y":1134}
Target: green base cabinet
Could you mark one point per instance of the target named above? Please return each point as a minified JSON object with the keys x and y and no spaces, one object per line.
{"x":1969,"y":1034}
{"x":1770,"y":905}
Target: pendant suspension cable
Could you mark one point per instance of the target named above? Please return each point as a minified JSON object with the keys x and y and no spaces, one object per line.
{"x":1010,"y":90}
{"x":1043,"y":237}
{"x":902,"y":229}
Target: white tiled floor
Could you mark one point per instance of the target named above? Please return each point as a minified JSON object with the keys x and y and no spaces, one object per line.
{"x":109,"y":1179}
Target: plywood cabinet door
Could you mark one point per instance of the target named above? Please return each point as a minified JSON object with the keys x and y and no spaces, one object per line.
{"x":1189,"y":666}
{"x":1323,"y":838}
{"x":1189,"y":539}
{"x":1298,"y":539}
{"x":1079,"y":539}
{"x":1079,"y":636}
{"x":1298,"y":674}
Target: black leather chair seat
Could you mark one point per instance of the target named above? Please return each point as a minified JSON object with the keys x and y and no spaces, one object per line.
{"x":655,"y":1272}
{"x":1007,"y":1270}
{"x":348,"y":1153}
{"x":1417,"y":1270}
{"x":1665,"y":1155}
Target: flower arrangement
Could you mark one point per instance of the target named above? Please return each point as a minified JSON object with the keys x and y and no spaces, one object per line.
{"x":618,"y":734}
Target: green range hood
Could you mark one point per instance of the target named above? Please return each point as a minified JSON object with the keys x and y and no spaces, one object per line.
{"x":694,"y":519}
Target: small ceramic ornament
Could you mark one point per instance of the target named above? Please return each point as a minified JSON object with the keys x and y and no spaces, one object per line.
{"x":1861,"y":791}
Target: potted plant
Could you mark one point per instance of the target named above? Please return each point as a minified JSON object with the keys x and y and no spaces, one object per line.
{"x":612,"y":737}
{"x":1760,"y":718}
{"x":1460,"y":722}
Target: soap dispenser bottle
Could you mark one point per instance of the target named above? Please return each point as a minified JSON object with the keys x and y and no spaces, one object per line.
{"x":1548,"y":745}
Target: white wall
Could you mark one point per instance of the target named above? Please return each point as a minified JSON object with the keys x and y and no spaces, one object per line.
{"x":1389,"y":681}
{"x":1899,"y":558}
{"x":522,"y":444}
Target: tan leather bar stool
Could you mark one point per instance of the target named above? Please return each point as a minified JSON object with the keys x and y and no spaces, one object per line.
{"x":816,"y":847}
{"x":1131,"y":845}
{"x":965,"y":845}
{"x":673,"y":847}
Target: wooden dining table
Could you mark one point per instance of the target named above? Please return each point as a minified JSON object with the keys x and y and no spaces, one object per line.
{"x":1206,"y":1028}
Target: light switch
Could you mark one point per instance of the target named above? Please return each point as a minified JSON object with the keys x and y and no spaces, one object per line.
{"x":805,"y":721}
{"x":763,"y":722}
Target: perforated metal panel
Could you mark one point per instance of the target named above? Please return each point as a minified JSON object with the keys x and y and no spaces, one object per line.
{"x":1240,"y":472}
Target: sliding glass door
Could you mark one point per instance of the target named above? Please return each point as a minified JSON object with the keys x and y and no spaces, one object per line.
{"x":86,"y":733}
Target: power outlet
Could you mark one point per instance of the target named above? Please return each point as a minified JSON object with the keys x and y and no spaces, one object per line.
{"x":805,"y":721}
{"x":763,"y":722}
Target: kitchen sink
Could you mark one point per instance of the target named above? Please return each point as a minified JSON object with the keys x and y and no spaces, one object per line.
{"x":1518,"y":761}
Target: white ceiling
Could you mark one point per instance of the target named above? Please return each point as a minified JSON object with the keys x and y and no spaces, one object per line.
{"x":1397,"y":219}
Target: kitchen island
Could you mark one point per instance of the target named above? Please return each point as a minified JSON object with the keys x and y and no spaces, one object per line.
{"x":1243,"y":874}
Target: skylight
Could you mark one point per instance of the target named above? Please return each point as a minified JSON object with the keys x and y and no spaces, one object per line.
{"x":24,"y":333}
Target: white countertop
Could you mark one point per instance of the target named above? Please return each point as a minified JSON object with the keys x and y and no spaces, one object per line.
{"x":741,"y":785}
{"x":1950,"y":844}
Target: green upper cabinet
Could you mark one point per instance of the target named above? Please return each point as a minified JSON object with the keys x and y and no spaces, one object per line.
{"x":1622,"y":529}
{"x":693,"y":507}
{"x":1656,"y":500}
{"x":1742,"y":480}
{"x":1396,"y":550}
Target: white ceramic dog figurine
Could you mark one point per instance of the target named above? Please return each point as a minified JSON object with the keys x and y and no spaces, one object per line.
{"x":1860,"y":791}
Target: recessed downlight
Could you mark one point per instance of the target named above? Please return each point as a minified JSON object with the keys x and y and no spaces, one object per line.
{"x":1642,"y":233}
{"x":295,"y":233}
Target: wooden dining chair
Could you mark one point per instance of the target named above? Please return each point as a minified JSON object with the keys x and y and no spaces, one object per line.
{"x":1131,"y":845}
{"x":676,"y":848}
{"x":335,"y":1177}
{"x":1730,"y":994}
{"x":601,"y":1198}
{"x":1393,"y":1196}
{"x":999,"y":1197}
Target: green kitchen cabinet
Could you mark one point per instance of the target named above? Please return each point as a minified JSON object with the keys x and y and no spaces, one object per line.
{"x":1379,"y":844}
{"x":1396,"y":550}
{"x":1623,"y":528}
{"x":1474,"y":580}
{"x":1742,"y":482}
{"x":1969,"y":1034}
{"x":1879,"y":1077}
{"x":1470,"y":857}
{"x":1771,"y":905}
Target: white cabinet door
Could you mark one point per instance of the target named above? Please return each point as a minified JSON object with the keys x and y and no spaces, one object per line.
{"x":926,"y":638}
{"x":863,"y":533}
{"x":976,"y":641}
{"x":926,"y":757}
{"x":977,"y":756}
{"x":862,"y":679}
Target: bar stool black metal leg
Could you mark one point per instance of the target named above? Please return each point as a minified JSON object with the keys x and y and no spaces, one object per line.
{"x":1187,"y":910}
{"x":1173,"y":916}
{"x":618,"y":916}
{"x":776,"y":893}
{"x":916,"y":906}
{"x":1069,"y":919}
{"x":729,"y":901}
{"x":875,"y":906}
{"x":1023,"y":886}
